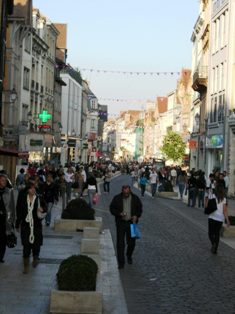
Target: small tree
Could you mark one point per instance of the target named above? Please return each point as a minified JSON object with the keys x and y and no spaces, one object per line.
{"x":173,"y":146}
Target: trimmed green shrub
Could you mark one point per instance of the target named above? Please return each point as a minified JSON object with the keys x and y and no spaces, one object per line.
{"x":78,"y":209}
{"x":77,"y":273}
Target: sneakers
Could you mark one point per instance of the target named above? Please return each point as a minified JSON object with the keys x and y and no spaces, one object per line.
{"x":129,"y":260}
{"x":120,"y":266}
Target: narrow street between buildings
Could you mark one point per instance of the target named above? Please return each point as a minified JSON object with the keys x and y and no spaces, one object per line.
{"x":173,"y":268}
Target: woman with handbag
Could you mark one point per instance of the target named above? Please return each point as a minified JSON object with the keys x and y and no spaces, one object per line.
{"x":30,"y":211}
{"x":217,"y":217}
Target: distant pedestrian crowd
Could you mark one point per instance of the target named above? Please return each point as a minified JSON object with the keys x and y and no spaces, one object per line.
{"x":39,"y":188}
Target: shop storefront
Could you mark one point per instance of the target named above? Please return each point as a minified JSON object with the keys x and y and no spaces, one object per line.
{"x":214,"y":147}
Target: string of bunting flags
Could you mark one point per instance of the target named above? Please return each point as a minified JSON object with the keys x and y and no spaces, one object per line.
{"x":63,"y":66}
{"x":130,"y":72}
{"x":139,"y":101}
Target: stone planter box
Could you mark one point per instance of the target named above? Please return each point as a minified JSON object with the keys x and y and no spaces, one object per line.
{"x":228,"y":231}
{"x":76,"y":302}
{"x":97,"y":259}
{"x":90,"y":246}
{"x":73,"y":225}
{"x":91,"y":233}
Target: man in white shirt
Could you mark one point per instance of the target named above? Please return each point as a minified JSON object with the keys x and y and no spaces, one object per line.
{"x":173,"y":176}
{"x":226,"y":180}
{"x":153,"y":177}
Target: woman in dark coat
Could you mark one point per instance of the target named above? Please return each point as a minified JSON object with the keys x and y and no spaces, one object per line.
{"x":30,"y":211}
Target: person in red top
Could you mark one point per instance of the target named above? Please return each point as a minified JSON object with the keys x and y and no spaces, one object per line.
{"x":31,"y":170}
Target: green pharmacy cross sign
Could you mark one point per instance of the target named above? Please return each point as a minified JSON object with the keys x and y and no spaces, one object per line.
{"x":44,"y":116}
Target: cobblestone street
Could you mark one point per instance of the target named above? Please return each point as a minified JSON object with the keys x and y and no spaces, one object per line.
{"x":174,"y":270}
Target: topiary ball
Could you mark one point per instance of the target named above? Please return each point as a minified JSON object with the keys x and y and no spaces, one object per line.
{"x":77,"y":273}
{"x":78,"y":209}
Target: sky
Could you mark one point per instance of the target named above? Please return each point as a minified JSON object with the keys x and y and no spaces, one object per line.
{"x":126,"y":36}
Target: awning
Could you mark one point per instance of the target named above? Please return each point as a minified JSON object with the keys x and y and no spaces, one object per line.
{"x":13,"y":152}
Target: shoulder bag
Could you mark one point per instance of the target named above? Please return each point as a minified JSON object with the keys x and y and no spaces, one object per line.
{"x":211,"y":206}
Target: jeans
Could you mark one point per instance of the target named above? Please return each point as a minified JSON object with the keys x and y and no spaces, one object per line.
{"x":48,"y":215}
{"x":214,"y":231}
{"x":142,"y":187}
{"x":192,"y":194}
{"x":91,"y":193}
{"x":153,"y":188}
{"x":106,"y":186}
{"x":201,"y":194}
{"x":181,"y":189}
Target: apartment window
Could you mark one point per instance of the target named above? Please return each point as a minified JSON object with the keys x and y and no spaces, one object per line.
{"x":25,"y":109}
{"x":93,"y":104}
{"x":26,"y":78}
{"x":226,"y":27}
{"x":211,"y":111}
{"x":92,"y":123}
{"x":213,"y":36}
{"x":217,"y":79}
{"x":215,"y":110}
{"x":220,"y":76}
{"x":221,"y":109}
{"x":222,"y":19}
{"x":213,"y":81}
{"x":218,"y":34}
{"x":27,"y":43}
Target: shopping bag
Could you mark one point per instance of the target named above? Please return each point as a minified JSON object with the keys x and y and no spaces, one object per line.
{"x":95,"y":199}
{"x":135,"y":231}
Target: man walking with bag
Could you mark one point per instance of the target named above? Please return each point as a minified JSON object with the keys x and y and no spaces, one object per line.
{"x":127,"y":208}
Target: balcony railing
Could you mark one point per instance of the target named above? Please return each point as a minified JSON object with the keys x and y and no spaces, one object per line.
{"x":200,"y":77}
{"x":200,"y":73}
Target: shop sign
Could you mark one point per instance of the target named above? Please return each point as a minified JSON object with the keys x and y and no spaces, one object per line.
{"x":36,"y":142}
{"x":44,"y":126}
{"x":44,"y":116}
{"x":71,"y":143}
{"x":215,"y":141}
{"x":91,"y":136}
{"x":192,"y":144}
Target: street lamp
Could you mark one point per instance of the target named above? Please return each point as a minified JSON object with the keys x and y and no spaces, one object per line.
{"x":13,"y":95}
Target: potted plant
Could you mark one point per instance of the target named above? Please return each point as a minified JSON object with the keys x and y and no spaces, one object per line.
{"x":76,"y":280}
{"x":77,"y":273}
{"x":77,"y":215}
{"x":78,"y":209}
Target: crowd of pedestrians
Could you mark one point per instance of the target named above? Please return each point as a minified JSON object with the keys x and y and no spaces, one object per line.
{"x":198,"y":189}
{"x":39,"y":188}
